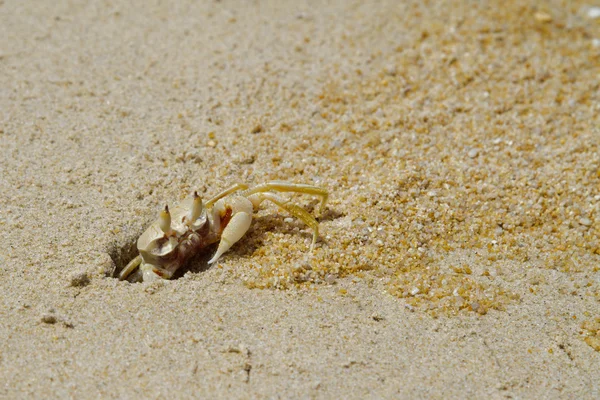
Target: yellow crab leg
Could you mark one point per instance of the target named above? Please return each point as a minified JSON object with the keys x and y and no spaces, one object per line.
{"x":130,"y":267}
{"x":280,"y":186}
{"x":235,"y":188}
{"x":293,"y":209}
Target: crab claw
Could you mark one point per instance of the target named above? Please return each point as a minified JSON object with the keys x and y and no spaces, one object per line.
{"x":165,"y":220}
{"x":197,"y":207}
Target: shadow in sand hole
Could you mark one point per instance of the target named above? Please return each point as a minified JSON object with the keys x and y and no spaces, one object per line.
{"x":123,"y":254}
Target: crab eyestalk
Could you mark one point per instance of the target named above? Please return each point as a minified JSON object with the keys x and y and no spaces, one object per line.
{"x":197,"y":207}
{"x":165,"y":220}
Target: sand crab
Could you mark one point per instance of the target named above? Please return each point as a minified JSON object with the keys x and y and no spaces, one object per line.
{"x":179,"y":234}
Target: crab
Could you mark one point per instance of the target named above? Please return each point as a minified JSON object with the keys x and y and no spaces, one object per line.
{"x":179,"y":234}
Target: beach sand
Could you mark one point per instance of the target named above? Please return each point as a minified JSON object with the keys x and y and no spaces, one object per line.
{"x":459,"y":253}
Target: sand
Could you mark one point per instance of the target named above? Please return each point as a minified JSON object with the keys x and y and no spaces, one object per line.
{"x":459,"y":252}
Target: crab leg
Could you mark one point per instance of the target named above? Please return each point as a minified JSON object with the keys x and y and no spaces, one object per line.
{"x":293,"y":209}
{"x":280,"y":186}
{"x":130,"y":267}
{"x":235,"y":188}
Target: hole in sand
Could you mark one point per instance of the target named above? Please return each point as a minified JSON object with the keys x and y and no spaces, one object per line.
{"x":121,"y":253}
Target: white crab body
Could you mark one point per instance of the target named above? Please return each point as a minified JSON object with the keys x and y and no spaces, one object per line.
{"x":163,"y":254}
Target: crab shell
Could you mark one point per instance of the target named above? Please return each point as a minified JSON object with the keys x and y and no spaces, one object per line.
{"x":168,"y":252}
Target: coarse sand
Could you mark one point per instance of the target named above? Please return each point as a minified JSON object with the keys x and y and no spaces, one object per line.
{"x":459,"y":254}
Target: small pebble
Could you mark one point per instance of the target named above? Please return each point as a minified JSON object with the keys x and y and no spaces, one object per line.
{"x":48,"y":319}
{"x":80,"y":279}
{"x":473,"y":153}
{"x":258,"y":128}
{"x":585,"y":221}
{"x":330,"y":278}
{"x":303,"y":15}
{"x":542,"y":16}
{"x":377,"y":317}
{"x":337,"y":143}
{"x":593,"y":12}
{"x":391,"y":70}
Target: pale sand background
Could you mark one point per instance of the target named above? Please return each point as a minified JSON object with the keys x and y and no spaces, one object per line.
{"x":459,"y":141}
